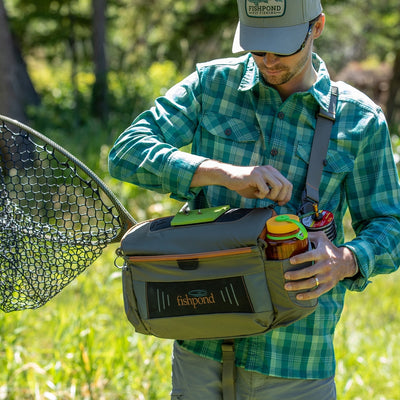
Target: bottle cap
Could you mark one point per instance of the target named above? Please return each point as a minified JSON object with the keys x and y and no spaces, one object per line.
{"x":286,"y":224}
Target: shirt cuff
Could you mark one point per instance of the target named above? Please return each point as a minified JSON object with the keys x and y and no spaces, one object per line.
{"x":362,"y":256}
{"x":178,"y":174}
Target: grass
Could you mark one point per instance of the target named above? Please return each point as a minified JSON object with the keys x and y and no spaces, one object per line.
{"x":367,"y":342}
{"x":81,"y":346}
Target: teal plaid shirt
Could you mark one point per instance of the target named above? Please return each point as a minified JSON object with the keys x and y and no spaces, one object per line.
{"x":226,"y":112}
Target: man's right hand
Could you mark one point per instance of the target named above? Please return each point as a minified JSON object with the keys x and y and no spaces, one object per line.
{"x":251,"y":182}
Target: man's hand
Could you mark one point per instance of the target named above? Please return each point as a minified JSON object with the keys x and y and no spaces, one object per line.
{"x":331,"y":265}
{"x":251,"y":182}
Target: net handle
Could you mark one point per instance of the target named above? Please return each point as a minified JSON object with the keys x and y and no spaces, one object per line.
{"x":127,"y":220}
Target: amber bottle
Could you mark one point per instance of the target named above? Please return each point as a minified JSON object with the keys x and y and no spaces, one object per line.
{"x":286,"y":236}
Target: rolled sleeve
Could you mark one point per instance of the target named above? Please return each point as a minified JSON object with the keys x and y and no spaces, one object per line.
{"x":178,"y":173}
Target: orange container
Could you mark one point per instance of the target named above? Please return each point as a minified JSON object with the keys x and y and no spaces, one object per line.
{"x":286,"y":236}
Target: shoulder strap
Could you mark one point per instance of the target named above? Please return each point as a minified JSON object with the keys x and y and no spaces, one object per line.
{"x":323,"y":128}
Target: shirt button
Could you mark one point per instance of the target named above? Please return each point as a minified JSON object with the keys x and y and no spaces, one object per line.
{"x":274,"y":152}
{"x":281,"y":115}
{"x":228,"y":132}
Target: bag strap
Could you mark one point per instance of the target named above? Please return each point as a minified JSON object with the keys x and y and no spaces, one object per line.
{"x":319,"y":149}
{"x":228,"y":370}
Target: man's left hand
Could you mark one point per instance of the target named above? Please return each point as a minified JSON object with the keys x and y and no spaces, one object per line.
{"x":331,"y":264}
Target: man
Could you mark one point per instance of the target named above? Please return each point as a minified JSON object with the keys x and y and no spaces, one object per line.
{"x":250,"y":121}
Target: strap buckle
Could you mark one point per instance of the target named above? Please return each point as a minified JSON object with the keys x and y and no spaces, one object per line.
{"x":327,"y":114}
{"x":308,"y":205}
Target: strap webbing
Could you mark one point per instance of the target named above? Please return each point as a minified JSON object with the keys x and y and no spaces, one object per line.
{"x":228,"y":370}
{"x":319,"y":149}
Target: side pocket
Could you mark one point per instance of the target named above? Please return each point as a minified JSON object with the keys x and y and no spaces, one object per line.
{"x":130,"y":302}
{"x":287,"y":308}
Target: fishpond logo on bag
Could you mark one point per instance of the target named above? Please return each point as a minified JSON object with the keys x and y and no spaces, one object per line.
{"x":265,"y":8}
{"x":210,"y":296}
{"x":195,"y":298}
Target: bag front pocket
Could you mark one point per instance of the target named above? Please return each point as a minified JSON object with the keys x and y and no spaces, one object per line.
{"x":205,"y":295}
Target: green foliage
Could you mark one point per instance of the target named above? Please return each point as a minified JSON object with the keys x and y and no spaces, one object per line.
{"x":396,"y":144}
{"x":51,"y":25}
{"x":356,"y":30}
{"x":65,"y":117}
{"x":70,"y":124}
{"x":141,"y":33}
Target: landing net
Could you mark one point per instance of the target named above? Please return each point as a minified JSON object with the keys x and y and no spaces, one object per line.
{"x":56,"y":217}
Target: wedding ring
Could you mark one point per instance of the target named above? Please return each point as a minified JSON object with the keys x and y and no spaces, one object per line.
{"x":316,"y":281}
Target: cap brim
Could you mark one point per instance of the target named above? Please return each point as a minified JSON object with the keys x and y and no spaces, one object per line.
{"x":285,"y":40}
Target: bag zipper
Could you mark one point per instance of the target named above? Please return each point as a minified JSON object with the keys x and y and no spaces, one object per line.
{"x":192,"y":256}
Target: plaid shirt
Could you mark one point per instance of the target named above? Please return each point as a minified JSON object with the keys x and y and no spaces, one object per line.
{"x":226,"y":112}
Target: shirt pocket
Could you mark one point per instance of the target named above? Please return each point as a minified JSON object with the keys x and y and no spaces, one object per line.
{"x":338,"y":164}
{"x":336,"y":161}
{"x":230,"y":140}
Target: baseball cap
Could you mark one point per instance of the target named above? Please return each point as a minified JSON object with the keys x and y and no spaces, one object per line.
{"x":274,"y":26}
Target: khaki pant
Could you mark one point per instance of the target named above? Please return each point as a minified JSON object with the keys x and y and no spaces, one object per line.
{"x":198,"y":378}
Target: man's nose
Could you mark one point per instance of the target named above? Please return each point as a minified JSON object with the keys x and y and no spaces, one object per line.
{"x":270,"y":59}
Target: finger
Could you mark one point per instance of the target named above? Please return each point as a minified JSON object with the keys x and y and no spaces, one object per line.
{"x":286,"y":193}
{"x":264,"y":189}
{"x":305,"y":284}
{"x":321,"y":244}
{"x":268,"y":187}
{"x":312,"y":294}
{"x":308,"y":256}
{"x":271,"y":184}
{"x":302,"y":274}
{"x":280,"y":189}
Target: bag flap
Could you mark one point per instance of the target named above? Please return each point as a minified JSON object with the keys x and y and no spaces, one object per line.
{"x":238,"y":227}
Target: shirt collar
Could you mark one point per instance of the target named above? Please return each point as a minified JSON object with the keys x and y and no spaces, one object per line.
{"x":320,"y":90}
{"x":251,"y":75}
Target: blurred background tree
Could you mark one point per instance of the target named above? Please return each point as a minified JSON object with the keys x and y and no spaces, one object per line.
{"x":16,"y":89}
{"x":81,"y":70}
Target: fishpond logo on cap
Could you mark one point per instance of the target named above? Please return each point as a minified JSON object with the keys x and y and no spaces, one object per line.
{"x":265,"y":8}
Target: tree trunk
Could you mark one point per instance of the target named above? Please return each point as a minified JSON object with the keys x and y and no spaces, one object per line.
{"x":393,"y":101}
{"x":16,"y":88}
{"x":100,"y":88}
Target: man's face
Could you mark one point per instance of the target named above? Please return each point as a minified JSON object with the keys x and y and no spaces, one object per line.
{"x":278,"y":71}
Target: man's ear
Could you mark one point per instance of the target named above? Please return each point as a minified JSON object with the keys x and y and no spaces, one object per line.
{"x":319,"y":26}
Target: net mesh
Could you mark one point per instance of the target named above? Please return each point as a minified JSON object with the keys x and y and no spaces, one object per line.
{"x":55,"y":219}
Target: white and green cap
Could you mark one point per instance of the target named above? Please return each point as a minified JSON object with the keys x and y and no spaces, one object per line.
{"x":274,"y":26}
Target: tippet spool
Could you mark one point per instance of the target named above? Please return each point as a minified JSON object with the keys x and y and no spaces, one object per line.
{"x":325,"y":223}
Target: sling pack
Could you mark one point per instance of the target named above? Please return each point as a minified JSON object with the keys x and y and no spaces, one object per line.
{"x":204,"y":275}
